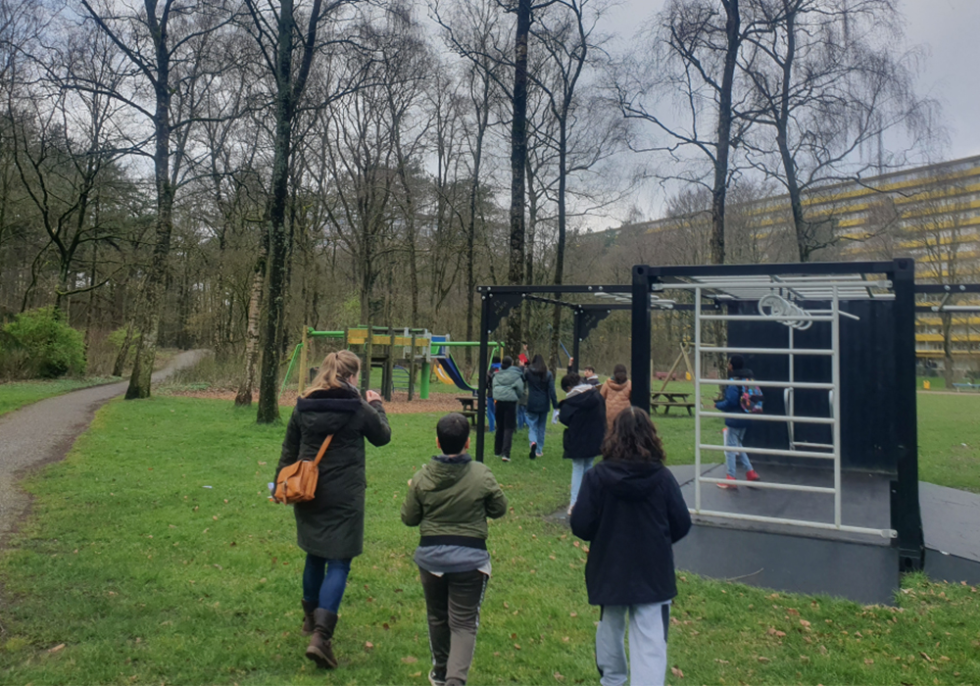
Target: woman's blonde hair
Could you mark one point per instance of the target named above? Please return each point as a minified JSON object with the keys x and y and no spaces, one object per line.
{"x":335,"y":370}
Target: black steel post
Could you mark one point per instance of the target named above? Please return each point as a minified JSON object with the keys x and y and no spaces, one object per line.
{"x":640,"y":339}
{"x":906,"y":516}
{"x":481,"y":375}
{"x":576,"y":340}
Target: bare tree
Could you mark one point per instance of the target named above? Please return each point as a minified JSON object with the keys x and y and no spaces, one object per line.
{"x":693,"y":51}
{"x":830,"y":83}
{"x":285,"y":32}
{"x":164,"y":42}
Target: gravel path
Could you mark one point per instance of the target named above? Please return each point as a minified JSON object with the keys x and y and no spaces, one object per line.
{"x":44,"y":432}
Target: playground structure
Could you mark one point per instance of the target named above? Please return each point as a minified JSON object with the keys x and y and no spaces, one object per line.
{"x":840,"y":509}
{"x":423,"y":352}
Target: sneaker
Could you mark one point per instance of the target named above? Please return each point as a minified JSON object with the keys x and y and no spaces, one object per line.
{"x":505,"y":458}
{"x":437,"y":678}
{"x":534,"y":451}
{"x":540,"y":455}
{"x":728,"y":487}
{"x":752,"y":475}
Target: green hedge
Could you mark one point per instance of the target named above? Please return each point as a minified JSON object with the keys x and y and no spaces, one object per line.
{"x":41,"y":344}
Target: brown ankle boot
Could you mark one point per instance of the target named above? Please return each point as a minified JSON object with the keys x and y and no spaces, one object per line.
{"x":320,"y":649}
{"x":308,"y":624}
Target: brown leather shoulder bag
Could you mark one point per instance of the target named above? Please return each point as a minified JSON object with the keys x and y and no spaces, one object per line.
{"x":296,"y":483}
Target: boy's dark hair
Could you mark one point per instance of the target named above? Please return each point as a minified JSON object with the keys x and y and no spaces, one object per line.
{"x":737,"y":362}
{"x":588,"y":369}
{"x":619,"y":373}
{"x":633,"y":438}
{"x":506,"y":362}
{"x":570,"y":381}
{"x":452,"y":432}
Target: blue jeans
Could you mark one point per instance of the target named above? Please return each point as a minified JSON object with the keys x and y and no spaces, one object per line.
{"x":491,"y":415}
{"x":579,"y":467}
{"x":537,"y":423}
{"x":734,"y":438}
{"x":648,"y":644}
{"x":324,"y":581}
{"x":521,"y":416}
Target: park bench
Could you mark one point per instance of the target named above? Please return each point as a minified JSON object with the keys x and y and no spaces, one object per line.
{"x":968,"y":386}
{"x":669,"y":399}
{"x":469,"y":408}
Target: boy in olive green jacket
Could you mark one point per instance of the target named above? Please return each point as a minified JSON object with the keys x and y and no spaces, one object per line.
{"x":449,"y":499}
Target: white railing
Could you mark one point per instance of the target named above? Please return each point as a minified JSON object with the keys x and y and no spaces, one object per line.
{"x":794,"y":318}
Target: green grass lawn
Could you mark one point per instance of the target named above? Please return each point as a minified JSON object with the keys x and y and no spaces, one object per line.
{"x":14,"y":396}
{"x":146,"y":576}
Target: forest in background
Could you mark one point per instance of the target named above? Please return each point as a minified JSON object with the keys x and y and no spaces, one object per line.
{"x":222,"y":173}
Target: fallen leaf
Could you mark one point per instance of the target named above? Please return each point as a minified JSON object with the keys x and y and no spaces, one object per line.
{"x":573,"y":614}
{"x":762,"y":659}
{"x":416,"y":675}
{"x":368,"y":645}
{"x":261,"y":463}
{"x":506,"y":606}
{"x":385,"y":626}
{"x":410,"y":660}
{"x":566,"y":639}
{"x":60,"y":646}
{"x":677,"y":672}
{"x":805,"y":624}
{"x":552,"y":557}
{"x":215,"y":517}
{"x":559,"y":677}
{"x":513,"y":636}
{"x":804,"y":658}
{"x":792,"y":611}
{"x":868,"y":661}
{"x":925,"y":657}
{"x":516,"y":647}
{"x":218,"y":567}
{"x":577,"y":544}
{"x":721,"y":662}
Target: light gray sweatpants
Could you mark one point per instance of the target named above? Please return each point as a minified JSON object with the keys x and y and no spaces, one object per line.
{"x":648,"y":644}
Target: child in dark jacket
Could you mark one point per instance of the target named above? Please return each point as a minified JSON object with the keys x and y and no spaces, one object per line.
{"x":583,"y":411}
{"x":449,"y":499}
{"x":735,"y":429}
{"x":631,"y":510}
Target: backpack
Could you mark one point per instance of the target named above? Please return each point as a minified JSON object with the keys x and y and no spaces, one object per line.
{"x":751,"y":399}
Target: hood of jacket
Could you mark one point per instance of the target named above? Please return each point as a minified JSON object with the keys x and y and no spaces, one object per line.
{"x":617,"y":387}
{"x":628,"y":480}
{"x":510,"y":375}
{"x":742,"y":374}
{"x":582,"y":397}
{"x":444,"y":472}
{"x":329,"y":409}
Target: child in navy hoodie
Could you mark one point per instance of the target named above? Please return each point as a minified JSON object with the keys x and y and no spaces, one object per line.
{"x":631,"y":509}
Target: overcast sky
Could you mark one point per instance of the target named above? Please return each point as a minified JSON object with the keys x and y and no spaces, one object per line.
{"x":948,"y":29}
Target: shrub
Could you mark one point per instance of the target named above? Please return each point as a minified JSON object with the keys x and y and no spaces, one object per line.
{"x":48,"y":346}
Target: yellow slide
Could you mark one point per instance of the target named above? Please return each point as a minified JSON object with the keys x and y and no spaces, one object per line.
{"x":443,"y":376}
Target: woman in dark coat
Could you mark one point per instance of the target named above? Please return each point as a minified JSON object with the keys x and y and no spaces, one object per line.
{"x":330,"y":528}
{"x":540,"y":399}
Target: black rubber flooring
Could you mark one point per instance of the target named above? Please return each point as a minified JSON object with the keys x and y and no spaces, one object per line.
{"x":860,"y":567}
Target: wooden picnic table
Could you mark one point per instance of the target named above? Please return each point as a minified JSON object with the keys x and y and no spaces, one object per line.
{"x":469,"y":407}
{"x":669,"y":399}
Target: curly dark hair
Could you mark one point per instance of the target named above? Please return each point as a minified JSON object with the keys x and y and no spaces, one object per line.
{"x":633,"y":438}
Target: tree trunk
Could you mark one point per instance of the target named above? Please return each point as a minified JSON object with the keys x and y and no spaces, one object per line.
{"x":948,"y":369}
{"x":482,"y":123}
{"x":720,"y":190}
{"x":518,"y":157}
{"x":244,"y":396}
{"x":149,"y":313}
{"x":803,"y":243}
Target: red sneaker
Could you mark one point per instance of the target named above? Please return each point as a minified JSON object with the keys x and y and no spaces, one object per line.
{"x":729,"y":487}
{"x":752,"y":475}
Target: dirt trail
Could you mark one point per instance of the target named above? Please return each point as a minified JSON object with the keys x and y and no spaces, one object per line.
{"x":44,"y":432}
